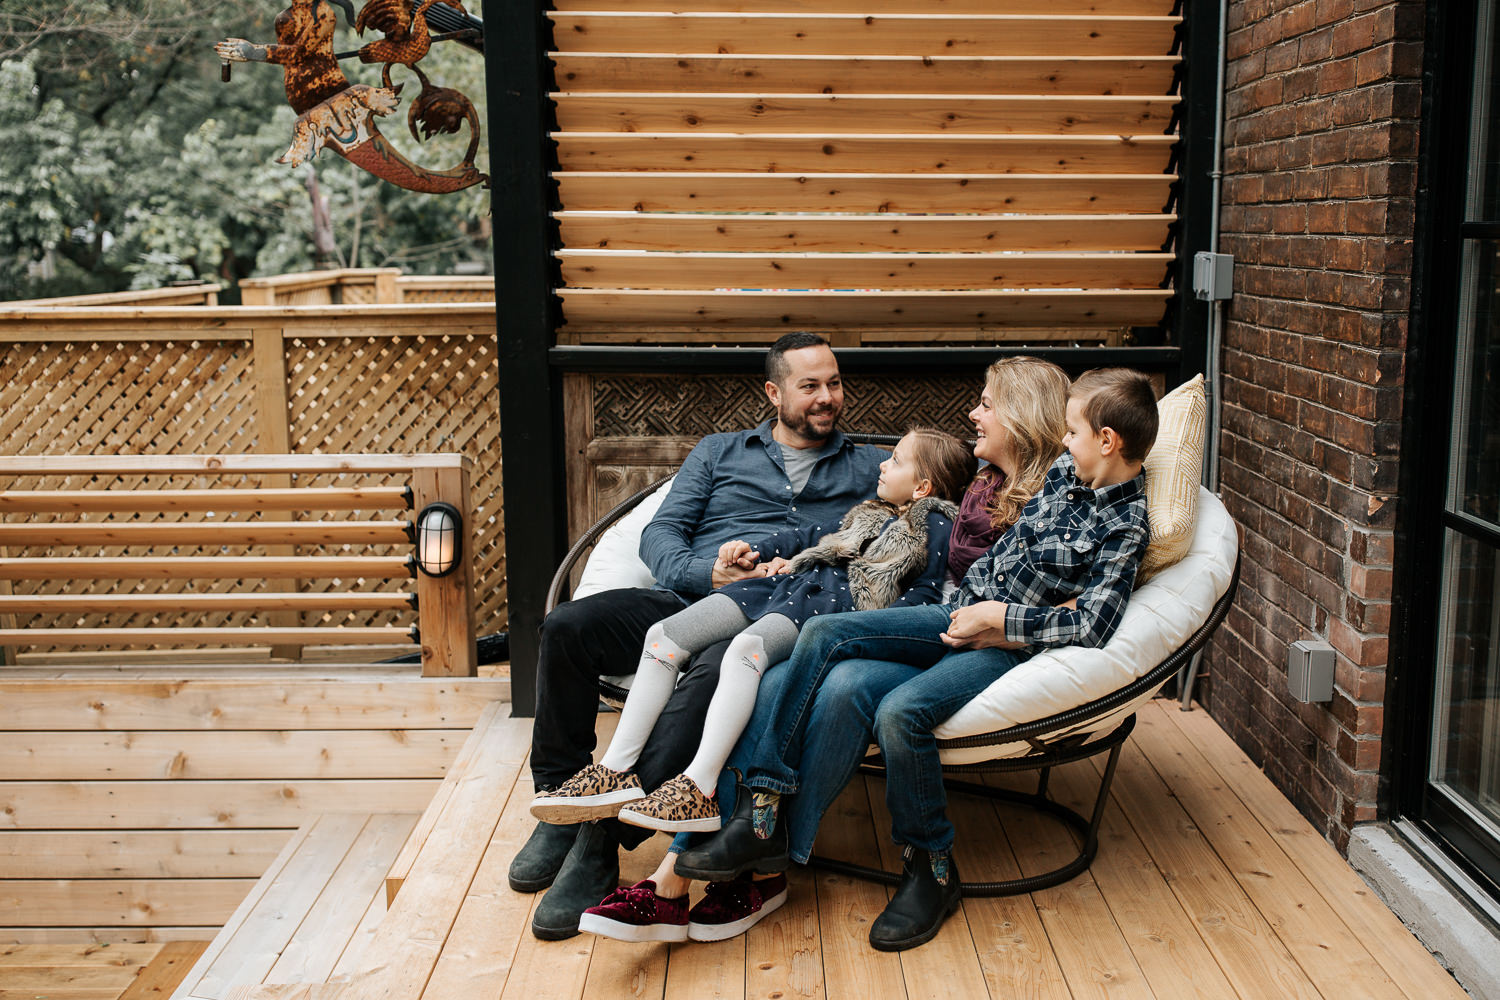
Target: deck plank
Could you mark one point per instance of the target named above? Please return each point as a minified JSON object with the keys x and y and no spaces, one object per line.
{"x":1401,"y":955}
{"x":1159,"y":933}
{"x":166,"y":971}
{"x":1248,"y":950}
{"x":847,"y":907}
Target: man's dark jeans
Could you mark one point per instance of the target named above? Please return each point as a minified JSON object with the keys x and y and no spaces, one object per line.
{"x":603,"y":634}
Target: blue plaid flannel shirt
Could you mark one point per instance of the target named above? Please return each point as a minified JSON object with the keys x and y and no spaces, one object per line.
{"x":1071,"y":541}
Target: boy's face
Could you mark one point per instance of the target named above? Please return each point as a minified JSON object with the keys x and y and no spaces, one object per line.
{"x":1088,"y":449}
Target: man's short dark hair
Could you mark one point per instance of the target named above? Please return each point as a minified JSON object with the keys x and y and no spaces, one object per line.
{"x":1122,"y":400}
{"x":776,"y":367}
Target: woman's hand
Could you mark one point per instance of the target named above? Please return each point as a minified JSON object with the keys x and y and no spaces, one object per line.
{"x":979,"y":626}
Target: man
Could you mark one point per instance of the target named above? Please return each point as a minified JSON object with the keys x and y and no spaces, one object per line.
{"x":795,"y":469}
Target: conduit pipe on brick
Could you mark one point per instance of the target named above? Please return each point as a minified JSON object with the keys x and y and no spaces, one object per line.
{"x":1211,"y":379}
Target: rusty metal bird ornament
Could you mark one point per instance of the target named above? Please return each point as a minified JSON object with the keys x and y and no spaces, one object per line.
{"x":335,"y":114}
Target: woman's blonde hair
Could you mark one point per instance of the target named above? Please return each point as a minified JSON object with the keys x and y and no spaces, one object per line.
{"x":1031,"y":401}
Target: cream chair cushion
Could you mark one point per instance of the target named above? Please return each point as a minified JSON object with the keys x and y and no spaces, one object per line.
{"x":1174,"y":468}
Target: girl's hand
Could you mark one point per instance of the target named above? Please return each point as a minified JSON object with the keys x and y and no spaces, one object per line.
{"x":776,"y":566}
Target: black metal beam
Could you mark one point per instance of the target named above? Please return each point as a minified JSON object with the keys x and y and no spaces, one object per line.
{"x":1195,"y":208}
{"x":858,"y":360}
{"x":521,"y":196}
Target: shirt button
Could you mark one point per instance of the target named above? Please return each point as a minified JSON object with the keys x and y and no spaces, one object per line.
{"x":794,"y":506}
{"x":1067,"y":538}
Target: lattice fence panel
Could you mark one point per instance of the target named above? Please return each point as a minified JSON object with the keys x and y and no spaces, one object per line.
{"x":156,"y":397}
{"x":399,"y":394}
{"x":357,"y":394}
{"x":411,"y":296}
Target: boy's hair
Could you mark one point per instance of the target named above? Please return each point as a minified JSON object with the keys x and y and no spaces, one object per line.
{"x":776,"y":367}
{"x":1031,"y":401}
{"x":944,"y":460}
{"x":1122,"y":400}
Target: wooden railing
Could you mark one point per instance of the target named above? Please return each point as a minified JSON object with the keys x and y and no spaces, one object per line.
{"x":199,"y":294}
{"x":212,"y":551}
{"x":365,"y":286}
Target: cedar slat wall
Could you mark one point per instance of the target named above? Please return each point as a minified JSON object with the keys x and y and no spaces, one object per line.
{"x":919,"y":171}
{"x":367,"y":379}
{"x":139,"y":809}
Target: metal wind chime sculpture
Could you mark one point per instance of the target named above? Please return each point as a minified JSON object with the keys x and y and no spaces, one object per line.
{"x":339,"y":115}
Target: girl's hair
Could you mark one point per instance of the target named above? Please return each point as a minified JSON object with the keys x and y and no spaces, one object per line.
{"x":944,"y":460}
{"x":1031,"y":402}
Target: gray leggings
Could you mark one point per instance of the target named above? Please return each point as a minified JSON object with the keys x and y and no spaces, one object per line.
{"x":718,"y":617}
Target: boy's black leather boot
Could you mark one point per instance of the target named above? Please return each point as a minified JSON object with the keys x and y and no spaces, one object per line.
{"x":928,"y":894}
{"x":736,"y":848}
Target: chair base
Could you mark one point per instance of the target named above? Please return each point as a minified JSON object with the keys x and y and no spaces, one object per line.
{"x":1043,"y":759}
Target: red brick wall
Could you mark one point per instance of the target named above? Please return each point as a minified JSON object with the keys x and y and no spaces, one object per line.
{"x":1322,"y":104}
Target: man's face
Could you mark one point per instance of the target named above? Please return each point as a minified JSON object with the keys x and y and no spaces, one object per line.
{"x":809,"y":401}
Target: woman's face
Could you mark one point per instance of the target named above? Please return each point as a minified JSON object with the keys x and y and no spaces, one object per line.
{"x":991,"y":443}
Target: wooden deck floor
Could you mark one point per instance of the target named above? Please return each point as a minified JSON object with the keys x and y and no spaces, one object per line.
{"x":1208,"y":884}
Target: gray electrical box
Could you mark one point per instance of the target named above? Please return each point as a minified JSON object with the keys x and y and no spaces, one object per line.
{"x":1213,"y":276}
{"x":1309,"y":670}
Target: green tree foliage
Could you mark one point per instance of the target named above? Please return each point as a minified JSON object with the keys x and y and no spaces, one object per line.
{"x":127,"y":163}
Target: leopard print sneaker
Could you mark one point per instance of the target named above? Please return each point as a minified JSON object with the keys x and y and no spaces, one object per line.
{"x":596,"y":792}
{"x":676,"y":807}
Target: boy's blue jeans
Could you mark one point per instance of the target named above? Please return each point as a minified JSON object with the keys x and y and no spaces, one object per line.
{"x":881,"y":676}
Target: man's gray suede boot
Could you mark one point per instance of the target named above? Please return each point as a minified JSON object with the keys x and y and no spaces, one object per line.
{"x":590,"y":872}
{"x":536,"y":863}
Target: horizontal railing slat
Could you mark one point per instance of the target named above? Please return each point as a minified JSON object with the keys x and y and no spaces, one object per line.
{"x":206,"y":567}
{"x":870,"y":113}
{"x":651,"y":269}
{"x":873,"y":193}
{"x":335,"y":635}
{"x":55,"y":465}
{"x":951,"y":7}
{"x":845,"y":152}
{"x":300,"y":601}
{"x":888,"y":232}
{"x":198,"y":533}
{"x":130,"y":501}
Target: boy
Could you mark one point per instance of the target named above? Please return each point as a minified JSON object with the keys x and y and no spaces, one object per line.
{"x":1060,"y":576}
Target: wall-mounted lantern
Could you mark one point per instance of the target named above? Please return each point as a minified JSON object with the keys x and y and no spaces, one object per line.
{"x":439,"y":542}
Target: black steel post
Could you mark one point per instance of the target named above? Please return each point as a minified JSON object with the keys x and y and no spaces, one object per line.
{"x":516,"y":42}
{"x":1195,"y":159}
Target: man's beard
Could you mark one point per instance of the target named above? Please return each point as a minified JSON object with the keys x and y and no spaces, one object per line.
{"x":801,"y":423}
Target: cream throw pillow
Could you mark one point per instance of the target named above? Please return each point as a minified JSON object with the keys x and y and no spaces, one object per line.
{"x":1174,"y":468}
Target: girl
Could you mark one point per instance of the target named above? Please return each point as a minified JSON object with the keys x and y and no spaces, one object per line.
{"x":890,"y":550}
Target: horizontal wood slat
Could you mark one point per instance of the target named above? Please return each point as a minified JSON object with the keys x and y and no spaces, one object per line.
{"x":862,"y":34}
{"x":246,"y":703}
{"x":585,"y":308}
{"x":647,"y":269}
{"x":207,"y":567}
{"x":836,"y":74}
{"x":888,"y":232}
{"x":929,"y":153}
{"x":904,"y":113}
{"x":873,"y":193}
{"x":145,"y":805}
{"x":96,"y":604}
{"x":131,"y":501}
{"x":228,"y":533}
{"x":200,"y":902}
{"x":215,"y":465}
{"x":248,"y":635}
{"x":138,"y":853}
{"x":136,"y":755}
{"x":1152,"y":7}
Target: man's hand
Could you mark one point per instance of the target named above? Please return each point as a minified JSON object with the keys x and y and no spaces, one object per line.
{"x":979,"y":626}
{"x":730,"y":572}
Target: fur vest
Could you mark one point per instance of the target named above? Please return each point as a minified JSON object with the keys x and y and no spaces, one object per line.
{"x":880,"y":563}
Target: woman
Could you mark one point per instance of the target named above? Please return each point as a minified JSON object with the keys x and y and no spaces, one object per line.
{"x":1018,"y":427}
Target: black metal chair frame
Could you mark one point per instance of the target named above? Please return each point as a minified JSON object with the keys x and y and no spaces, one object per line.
{"x":1045,"y":755}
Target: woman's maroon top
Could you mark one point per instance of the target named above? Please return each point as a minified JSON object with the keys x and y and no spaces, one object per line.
{"x":972,"y":531}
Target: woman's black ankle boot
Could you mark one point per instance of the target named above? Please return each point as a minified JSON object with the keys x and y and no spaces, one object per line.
{"x":928,"y":894}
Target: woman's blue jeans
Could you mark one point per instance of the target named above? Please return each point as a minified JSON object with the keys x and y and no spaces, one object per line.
{"x":883,"y":675}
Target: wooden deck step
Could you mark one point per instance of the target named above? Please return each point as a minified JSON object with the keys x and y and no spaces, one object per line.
{"x":312,"y":906}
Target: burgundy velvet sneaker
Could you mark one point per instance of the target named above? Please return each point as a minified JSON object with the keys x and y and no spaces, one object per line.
{"x":731,"y":908}
{"x":637,"y":913}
